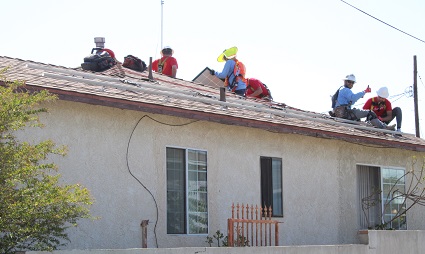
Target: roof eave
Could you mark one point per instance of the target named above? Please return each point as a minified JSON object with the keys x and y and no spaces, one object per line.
{"x":224,"y":119}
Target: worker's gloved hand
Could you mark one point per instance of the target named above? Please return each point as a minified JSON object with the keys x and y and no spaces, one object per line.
{"x":368,"y":90}
{"x":212,"y":72}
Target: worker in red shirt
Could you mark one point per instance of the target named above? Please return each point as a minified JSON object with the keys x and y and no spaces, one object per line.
{"x":167,"y":64}
{"x":383,"y":109}
{"x":256,"y":88}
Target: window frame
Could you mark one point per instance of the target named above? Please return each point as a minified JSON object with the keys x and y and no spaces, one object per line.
{"x":375,"y":179}
{"x":186,"y":190}
{"x":392,"y":203}
{"x":267,"y":179}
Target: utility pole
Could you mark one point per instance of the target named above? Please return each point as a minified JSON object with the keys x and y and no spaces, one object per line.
{"x":415,"y":96}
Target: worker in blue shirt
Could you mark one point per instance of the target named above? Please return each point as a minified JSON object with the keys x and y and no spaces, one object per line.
{"x":233,"y":71}
{"x":346,"y":98}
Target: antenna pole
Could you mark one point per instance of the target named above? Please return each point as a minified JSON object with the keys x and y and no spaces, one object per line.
{"x":162,"y":3}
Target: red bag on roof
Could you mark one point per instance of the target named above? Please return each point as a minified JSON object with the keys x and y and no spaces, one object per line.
{"x":134,"y":63}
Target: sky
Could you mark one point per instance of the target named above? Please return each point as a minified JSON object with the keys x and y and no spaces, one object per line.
{"x":301,"y":49}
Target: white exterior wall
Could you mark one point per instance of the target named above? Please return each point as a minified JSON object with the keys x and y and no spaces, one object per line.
{"x":319,"y":176}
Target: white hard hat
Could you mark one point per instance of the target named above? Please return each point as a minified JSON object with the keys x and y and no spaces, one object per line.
{"x":383,"y":92}
{"x":351,"y":77}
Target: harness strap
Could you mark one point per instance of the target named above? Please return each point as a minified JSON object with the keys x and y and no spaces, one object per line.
{"x":162,"y":64}
{"x":237,"y":77}
{"x":226,"y":81}
{"x":378,"y":104}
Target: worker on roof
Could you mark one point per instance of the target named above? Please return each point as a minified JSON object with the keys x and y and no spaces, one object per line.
{"x":256,"y":88}
{"x":383,"y":109}
{"x":233,"y":71}
{"x":346,"y":98}
{"x":167,"y":64}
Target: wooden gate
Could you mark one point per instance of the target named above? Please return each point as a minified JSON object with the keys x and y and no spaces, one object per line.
{"x":252,"y":227}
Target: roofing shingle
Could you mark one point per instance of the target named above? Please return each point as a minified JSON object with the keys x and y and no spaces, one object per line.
{"x":124,"y":88}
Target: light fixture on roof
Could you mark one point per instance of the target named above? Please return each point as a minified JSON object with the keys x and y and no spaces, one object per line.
{"x":100,"y":42}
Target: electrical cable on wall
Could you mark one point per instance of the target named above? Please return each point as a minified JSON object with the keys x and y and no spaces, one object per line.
{"x":140,"y":182}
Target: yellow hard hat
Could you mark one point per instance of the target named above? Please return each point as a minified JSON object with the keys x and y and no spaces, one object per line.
{"x":228,"y":53}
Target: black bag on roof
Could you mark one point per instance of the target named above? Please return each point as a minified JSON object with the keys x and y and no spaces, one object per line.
{"x":99,"y":61}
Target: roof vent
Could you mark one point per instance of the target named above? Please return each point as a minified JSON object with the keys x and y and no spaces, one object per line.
{"x":100,"y":42}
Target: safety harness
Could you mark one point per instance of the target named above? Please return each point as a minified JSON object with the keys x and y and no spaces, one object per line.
{"x":379,"y":104}
{"x":239,"y":71}
{"x":161,"y":65}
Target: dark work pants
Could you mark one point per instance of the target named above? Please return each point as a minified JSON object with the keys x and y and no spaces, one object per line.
{"x":397,"y":115}
{"x":240,"y":92}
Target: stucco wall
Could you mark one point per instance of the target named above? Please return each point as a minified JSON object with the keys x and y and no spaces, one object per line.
{"x":319,"y":175}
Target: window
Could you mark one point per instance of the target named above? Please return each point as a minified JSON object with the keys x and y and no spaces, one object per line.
{"x":187,"y":203}
{"x":380,"y":197}
{"x":271,"y":184}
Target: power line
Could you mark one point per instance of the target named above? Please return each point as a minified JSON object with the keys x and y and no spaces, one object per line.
{"x":407,"y":93}
{"x":397,"y":98}
{"x":421,"y":79}
{"x":383,"y":22}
